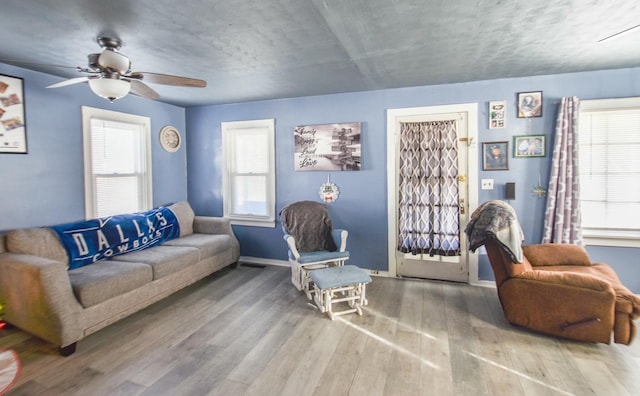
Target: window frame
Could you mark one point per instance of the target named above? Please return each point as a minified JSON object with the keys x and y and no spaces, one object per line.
{"x":604,"y":236}
{"x":228,"y":130}
{"x":146,"y":184}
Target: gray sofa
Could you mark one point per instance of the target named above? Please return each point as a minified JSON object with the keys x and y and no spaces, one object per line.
{"x":63,"y":306}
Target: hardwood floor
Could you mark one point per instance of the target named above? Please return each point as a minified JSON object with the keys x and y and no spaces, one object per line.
{"x":248,"y":331}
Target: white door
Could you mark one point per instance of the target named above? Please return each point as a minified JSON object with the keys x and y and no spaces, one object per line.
{"x":442,"y":267}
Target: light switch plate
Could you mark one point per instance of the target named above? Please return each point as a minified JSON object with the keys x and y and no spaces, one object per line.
{"x":486,"y":184}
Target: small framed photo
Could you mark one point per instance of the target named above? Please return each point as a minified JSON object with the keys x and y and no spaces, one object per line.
{"x":529,"y":104}
{"x":529,"y":146}
{"x":497,"y":114}
{"x":495,"y":156}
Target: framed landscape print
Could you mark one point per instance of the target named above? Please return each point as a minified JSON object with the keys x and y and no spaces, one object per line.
{"x":13,"y":135}
{"x":529,"y":146}
{"x":327,"y":147}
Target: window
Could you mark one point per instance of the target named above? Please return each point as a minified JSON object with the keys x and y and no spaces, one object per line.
{"x":609,"y":154}
{"x":117,"y":163}
{"x":249,"y":181}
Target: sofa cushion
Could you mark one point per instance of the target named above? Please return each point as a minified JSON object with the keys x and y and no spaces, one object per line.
{"x":208,"y":244}
{"x":185,"y":215}
{"x":41,"y":242}
{"x":164,"y":260}
{"x":101,"y":281}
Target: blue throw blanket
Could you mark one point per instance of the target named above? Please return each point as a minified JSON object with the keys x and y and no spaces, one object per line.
{"x":89,"y":241}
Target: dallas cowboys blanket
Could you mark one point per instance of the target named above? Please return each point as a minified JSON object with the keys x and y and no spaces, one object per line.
{"x":89,"y":241}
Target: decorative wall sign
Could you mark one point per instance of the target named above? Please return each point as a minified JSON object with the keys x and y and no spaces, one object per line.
{"x":529,"y":146}
{"x":497,"y":114}
{"x":329,"y":192}
{"x":529,"y":104}
{"x":328,"y":147}
{"x":13,"y":134}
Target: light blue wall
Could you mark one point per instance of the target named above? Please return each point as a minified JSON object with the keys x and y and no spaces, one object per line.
{"x":46,"y":186}
{"x":362,"y":206}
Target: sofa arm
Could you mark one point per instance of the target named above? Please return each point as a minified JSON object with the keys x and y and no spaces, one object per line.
{"x":571,"y":305}
{"x":568,"y":279}
{"x":39,"y":298}
{"x":556,"y":254}
{"x":212,"y":225}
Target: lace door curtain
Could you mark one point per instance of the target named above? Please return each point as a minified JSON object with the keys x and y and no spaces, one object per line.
{"x":428,"y":218}
{"x":562,"y":218}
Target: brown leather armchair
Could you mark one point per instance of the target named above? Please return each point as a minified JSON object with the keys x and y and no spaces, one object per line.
{"x":558,"y":291}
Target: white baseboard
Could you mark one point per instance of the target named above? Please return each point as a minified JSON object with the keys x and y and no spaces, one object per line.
{"x":484,"y":283}
{"x":385,"y":274}
{"x":263,"y":261}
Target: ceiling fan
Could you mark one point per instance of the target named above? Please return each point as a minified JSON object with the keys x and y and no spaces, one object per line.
{"x":109,"y":75}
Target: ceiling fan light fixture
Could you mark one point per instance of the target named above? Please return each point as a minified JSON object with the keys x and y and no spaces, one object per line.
{"x":110,"y":88}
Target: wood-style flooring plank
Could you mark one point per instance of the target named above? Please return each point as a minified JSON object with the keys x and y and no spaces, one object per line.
{"x":467,"y":371}
{"x":436,"y":375}
{"x":371,"y":375}
{"x":404,"y":374}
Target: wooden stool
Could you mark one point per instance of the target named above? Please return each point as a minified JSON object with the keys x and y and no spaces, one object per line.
{"x":348,"y":280}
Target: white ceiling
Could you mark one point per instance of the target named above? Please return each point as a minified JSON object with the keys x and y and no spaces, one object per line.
{"x":265,"y":49}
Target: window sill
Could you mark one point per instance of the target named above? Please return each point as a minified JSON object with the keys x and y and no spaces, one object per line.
{"x":253,"y":223}
{"x":612,"y":239}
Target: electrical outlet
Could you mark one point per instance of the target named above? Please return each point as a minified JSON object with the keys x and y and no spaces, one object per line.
{"x":486,"y":184}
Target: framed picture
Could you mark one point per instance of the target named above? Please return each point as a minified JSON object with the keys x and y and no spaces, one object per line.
{"x":495,"y":156}
{"x":529,"y":146}
{"x":327,"y":147}
{"x":13,"y":135}
{"x":497,"y":114}
{"x":529,"y":104}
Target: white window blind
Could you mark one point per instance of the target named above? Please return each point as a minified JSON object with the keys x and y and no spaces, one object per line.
{"x":117,"y":164}
{"x":249,"y":176}
{"x":609,"y":154}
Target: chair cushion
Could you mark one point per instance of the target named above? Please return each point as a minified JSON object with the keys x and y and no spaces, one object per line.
{"x":322,"y":255}
{"x":93,"y":284}
{"x":164,"y":260}
{"x":329,"y":278}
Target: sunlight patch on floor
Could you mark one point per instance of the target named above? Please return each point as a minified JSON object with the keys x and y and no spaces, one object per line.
{"x":519,"y":374}
{"x":388,"y":343}
{"x":406,"y":327}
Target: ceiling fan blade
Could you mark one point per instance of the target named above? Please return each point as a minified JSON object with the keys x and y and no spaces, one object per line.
{"x":19,"y":62}
{"x":167,"y":79}
{"x":141,"y":89}
{"x":70,"y":81}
